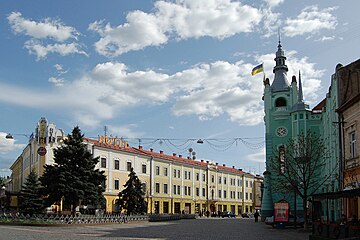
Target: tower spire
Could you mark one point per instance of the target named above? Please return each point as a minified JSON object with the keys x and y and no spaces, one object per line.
{"x":300,"y":95}
{"x":280,"y":82}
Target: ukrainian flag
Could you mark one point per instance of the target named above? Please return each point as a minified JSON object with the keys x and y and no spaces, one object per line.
{"x":257,"y":69}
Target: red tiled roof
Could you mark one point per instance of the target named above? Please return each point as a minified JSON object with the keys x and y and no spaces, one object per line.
{"x":320,"y":105}
{"x":187,"y":161}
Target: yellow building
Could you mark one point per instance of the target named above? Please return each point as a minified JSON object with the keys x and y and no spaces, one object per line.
{"x":172,"y":183}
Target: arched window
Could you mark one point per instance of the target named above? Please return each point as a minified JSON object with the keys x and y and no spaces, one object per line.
{"x":280,"y":102}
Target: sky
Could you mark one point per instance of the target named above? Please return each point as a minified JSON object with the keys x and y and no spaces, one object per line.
{"x":163,"y":74}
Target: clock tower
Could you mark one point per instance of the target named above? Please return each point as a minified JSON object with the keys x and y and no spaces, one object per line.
{"x":282,"y":103}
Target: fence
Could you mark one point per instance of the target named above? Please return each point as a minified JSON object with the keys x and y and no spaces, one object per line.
{"x":68,"y":219}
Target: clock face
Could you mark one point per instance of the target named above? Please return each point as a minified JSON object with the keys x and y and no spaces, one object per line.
{"x":281,"y":131}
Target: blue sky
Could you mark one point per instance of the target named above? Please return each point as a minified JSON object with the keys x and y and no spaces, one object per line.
{"x":150,"y":70}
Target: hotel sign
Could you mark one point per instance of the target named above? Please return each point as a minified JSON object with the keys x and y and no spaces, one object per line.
{"x":110,"y":140}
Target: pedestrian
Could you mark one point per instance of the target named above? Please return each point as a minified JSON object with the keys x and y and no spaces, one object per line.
{"x":207,"y":213}
{"x":256,"y":215}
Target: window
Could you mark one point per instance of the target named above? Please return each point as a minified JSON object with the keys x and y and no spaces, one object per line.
{"x":219,"y":180}
{"x":143,"y":187}
{"x":128,"y":166}
{"x":189,"y":191}
{"x":174,"y":189}
{"x":353,"y":153}
{"x":157,"y":170}
{"x":239,"y":196}
{"x":250,"y":196}
{"x":219,"y":193}
{"x":174,"y":173}
{"x":280,"y":102}
{"x":204,"y":192}
{"x":165,"y":171}
{"x":224,"y":180}
{"x":165,"y":188}
{"x":103,"y":162}
{"x":247,"y":183}
{"x":117,"y":164}
{"x":246,"y":196}
{"x":197,"y":191}
{"x":185,"y":174}
{"x":251,"y":184}
{"x":143,"y":168}
{"x":282,"y":158}
{"x":197,"y":176}
{"x":179,"y":176}
{"x":157,"y":187}
{"x":189,"y":175}
{"x":204,"y":178}
{"x":224,"y":193}
{"x":185,"y":190}
{"x":212,"y":178}
{"x":179,"y":190}
{"x":116,"y":184}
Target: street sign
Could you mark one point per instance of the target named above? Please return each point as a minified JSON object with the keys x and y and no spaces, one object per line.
{"x":41,"y":151}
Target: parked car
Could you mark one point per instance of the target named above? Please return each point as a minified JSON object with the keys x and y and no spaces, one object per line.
{"x":228,"y":214}
{"x":291,"y":222}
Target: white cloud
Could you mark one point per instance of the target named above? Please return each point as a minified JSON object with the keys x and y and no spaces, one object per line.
{"x":8,"y":145}
{"x":311,"y":20}
{"x":41,"y":51}
{"x":182,"y":19}
{"x":125,"y":131}
{"x":325,"y":38}
{"x":273,"y":3}
{"x":58,"y":67}
{"x":205,"y":90}
{"x":58,"y":82}
{"x":259,"y":156}
{"x":47,"y":28}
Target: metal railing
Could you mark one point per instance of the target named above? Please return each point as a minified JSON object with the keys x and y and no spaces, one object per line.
{"x":69,"y":219}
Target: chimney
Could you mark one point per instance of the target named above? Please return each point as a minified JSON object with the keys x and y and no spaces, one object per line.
{"x":180,"y":156}
{"x":140,"y":147}
{"x":233,"y":166}
{"x":224,"y":165}
{"x":151,"y":149}
{"x":207,"y":161}
{"x":217,"y":164}
{"x":202,"y":160}
{"x":240,"y":169}
{"x":174,"y":154}
{"x":188,"y":157}
{"x":161,"y":151}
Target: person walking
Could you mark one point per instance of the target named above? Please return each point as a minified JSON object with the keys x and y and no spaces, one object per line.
{"x":256,"y":215}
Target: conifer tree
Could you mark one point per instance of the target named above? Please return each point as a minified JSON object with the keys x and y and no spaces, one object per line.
{"x":73,"y":178}
{"x":131,"y":198}
{"x":31,"y":199}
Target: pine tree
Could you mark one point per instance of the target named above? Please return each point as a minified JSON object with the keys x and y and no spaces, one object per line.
{"x":31,"y":199}
{"x":73,"y":178}
{"x":131,"y":198}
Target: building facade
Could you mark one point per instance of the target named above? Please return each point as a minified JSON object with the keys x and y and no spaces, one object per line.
{"x":172,"y":183}
{"x":287,"y":116}
{"x":349,"y":119}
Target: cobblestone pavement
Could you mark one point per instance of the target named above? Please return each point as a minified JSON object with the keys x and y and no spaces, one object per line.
{"x":184,"y":229}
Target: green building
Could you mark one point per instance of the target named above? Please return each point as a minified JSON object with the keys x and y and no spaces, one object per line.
{"x":286,"y":116}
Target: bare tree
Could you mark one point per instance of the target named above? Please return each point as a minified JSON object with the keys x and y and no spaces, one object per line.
{"x":299,"y":165}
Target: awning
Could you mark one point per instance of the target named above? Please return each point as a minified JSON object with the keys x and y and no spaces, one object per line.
{"x":340,"y":194}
